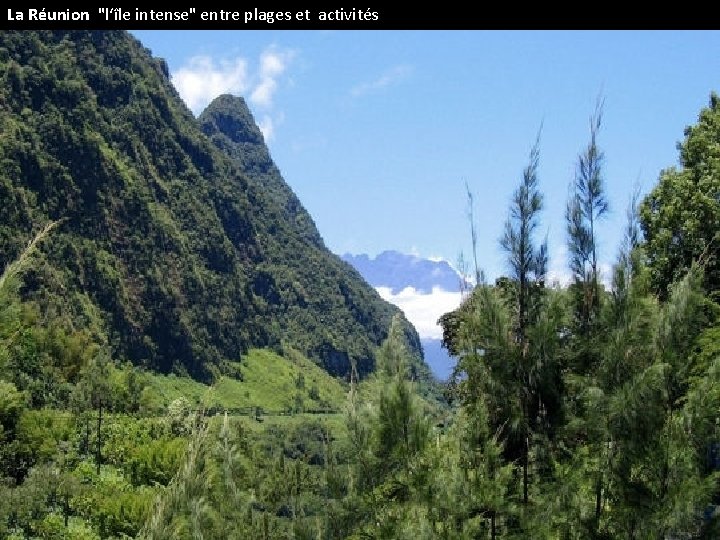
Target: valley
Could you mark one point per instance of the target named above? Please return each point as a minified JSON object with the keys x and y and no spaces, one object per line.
{"x":183,"y":357}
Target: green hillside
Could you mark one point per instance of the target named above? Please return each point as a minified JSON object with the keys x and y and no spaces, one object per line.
{"x":179,"y":253}
{"x":268,"y":381}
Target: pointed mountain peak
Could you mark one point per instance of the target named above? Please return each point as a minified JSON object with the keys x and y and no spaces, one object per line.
{"x":230,"y":116}
{"x":230,"y":125}
{"x":185,"y":247}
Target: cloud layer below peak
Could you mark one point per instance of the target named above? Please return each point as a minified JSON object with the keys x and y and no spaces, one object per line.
{"x":423,"y":309}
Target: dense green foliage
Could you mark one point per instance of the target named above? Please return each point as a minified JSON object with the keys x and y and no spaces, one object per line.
{"x":310,"y":479}
{"x":108,"y":451}
{"x":585,"y":412}
{"x":681,"y":215}
{"x":623,"y":439}
{"x":177,"y":252}
{"x":114,"y":459}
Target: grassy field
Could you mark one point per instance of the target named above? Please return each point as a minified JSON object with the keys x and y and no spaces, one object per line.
{"x":269,"y":381}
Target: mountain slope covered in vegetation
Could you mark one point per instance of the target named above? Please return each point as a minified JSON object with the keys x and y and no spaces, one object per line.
{"x":178,"y":252}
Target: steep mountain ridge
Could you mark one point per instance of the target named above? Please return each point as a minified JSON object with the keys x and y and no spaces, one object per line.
{"x":178,"y":251}
{"x":229,"y":124}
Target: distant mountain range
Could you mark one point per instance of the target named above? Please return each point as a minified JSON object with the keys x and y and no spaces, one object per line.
{"x":399,"y":270}
{"x":423,"y":288}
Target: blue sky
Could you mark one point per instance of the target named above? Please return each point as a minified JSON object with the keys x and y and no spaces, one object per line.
{"x":378,"y":131}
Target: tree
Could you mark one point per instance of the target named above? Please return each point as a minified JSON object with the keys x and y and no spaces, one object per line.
{"x":639,"y":446}
{"x":402,"y":427}
{"x":527,"y":261}
{"x":391,"y":427}
{"x":657,"y":485}
{"x":528,"y":266}
{"x":10,"y":282}
{"x":463,"y":480}
{"x":94,"y":391}
{"x":388,"y":430}
{"x":681,"y":216}
{"x":586,"y":205}
{"x":12,"y":402}
{"x":181,"y":509}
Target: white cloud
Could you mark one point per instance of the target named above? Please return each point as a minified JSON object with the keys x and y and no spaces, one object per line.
{"x":558,"y":271}
{"x":390,"y":77}
{"x":423,"y":309}
{"x":263,"y":93}
{"x":202,"y":79}
{"x":273,"y":63}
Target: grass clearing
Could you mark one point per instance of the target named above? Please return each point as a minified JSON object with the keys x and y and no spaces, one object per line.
{"x":269,"y":381}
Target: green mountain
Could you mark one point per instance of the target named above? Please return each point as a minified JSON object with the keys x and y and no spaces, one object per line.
{"x":180,"y":246}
